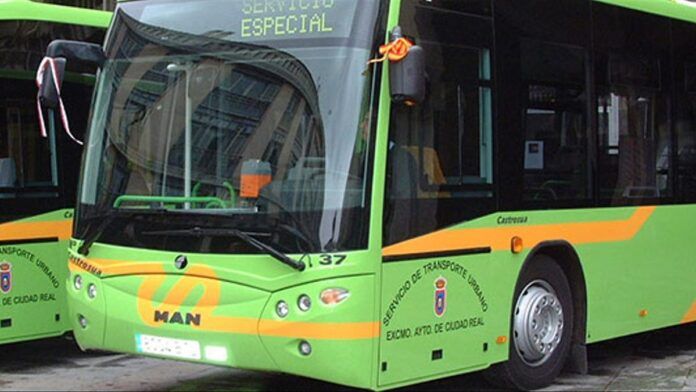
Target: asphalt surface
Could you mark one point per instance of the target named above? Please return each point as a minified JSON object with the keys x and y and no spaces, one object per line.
{"x":664,"y":360}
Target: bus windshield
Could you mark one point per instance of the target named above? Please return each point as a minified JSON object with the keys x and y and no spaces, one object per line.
{"x":244,"y":114}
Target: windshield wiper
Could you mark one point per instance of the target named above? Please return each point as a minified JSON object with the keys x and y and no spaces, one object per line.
{"x":92,"y":236}
{"x":294,"y":228}
{"x":206,"y":232}
{"x":104,"y":221}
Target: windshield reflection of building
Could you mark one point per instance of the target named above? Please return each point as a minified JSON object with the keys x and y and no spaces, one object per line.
{"x":249,"y":103}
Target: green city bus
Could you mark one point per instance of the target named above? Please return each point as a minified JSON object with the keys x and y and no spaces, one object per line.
{"x":513,"y":183}
{"x":38,"y":176}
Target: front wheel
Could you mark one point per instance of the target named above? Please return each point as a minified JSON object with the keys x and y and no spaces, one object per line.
{"x":541,"y":328}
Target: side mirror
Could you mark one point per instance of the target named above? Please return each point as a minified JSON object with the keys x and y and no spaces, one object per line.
{"x":407,"y":78}
{"x":48,"y":94}
{"x":62,"y":51}
{"x":91,"y":54}
{"x":51,"y":72}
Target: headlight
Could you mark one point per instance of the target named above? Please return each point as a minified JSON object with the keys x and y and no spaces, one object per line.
{"x":304,"y":302}
{"x":92,"y":291}
{"x":282,"y":309}
{"x":77,"y":282}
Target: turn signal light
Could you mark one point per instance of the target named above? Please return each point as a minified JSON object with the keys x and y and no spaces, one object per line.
{"x":516,"y":245}
{"x":334,"y":296}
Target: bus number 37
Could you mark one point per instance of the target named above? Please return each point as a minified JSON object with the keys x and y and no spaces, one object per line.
{"x":325,"y":260}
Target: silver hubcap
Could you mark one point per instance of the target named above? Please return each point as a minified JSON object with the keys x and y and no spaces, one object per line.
{"x":538,"y":323}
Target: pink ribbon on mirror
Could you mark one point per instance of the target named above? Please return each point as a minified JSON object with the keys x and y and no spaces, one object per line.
{"x":49,"y":63}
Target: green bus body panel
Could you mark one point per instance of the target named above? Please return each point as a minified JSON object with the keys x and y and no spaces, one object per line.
{"x":652,"y":271}
{"x":655,"y":271}
{"x":414,"y":335}
{"x":35,"y":305}
{"x":668,"y":8}
{"x":29,"y":10}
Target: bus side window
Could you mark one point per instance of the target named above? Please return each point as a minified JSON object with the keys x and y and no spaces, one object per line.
{"x":26,"y":159}
{"x":33,"y":167}
{"x":555,"y":146}
{"x":634,"y":136}
{"x":440,"y":159}
{"x":684,"y":119}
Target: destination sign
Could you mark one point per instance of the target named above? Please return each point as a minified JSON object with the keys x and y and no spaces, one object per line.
{"x":251,"y":20}
{"x":278,"y":18}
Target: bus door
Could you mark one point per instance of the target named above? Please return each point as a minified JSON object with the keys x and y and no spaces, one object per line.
{"x":435,"y":289}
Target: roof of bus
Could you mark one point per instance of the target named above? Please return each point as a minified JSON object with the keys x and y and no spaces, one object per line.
{"x":26,"y":9}
{"x":29,"y":10}
{"x":677,"y":9}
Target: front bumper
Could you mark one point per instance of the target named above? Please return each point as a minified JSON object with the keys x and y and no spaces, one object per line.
{"x":201,"y":319}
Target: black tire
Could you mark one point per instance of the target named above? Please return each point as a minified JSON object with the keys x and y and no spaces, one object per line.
{"x":515,"y":373}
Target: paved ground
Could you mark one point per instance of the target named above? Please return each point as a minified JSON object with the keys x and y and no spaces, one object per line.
{"x":663,"y":360}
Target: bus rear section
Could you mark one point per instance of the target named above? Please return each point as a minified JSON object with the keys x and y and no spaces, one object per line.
{"x":38,"y":176}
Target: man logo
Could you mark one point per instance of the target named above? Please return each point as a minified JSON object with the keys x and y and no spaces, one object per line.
{"x":180,"y":262}
{"x":5,"y":277}
{"x":177,"y":318}
{"x":440,"y":296}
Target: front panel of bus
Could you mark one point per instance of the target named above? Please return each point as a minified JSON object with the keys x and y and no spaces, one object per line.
{"x":226,"y":190}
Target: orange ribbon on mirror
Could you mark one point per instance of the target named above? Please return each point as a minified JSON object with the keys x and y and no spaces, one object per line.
{"x":395,"y":51}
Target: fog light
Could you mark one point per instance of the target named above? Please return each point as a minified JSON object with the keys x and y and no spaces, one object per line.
{"x":77,"y":282}
{"x":82,"y":320}
{"x":216,"y":353}
{"x":305,"y":348}
{"x":304,"y":302}
{"x":92,"y":291}
{"x":282,"y":309}
{"x":334,"y":296}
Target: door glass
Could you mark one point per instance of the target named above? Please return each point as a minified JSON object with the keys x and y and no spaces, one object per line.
{"x":441,"y":151}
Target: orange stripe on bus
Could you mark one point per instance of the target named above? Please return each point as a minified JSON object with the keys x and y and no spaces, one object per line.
{"x":108,"y":267}
{"x":690,"y":316}
{"x":342,"y":331}
{"x":33,"y":230}
{"x":498,"y":238}
{"x":210,"y":299}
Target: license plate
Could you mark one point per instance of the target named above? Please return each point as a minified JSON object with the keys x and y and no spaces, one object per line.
{"x":168,"y":347}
